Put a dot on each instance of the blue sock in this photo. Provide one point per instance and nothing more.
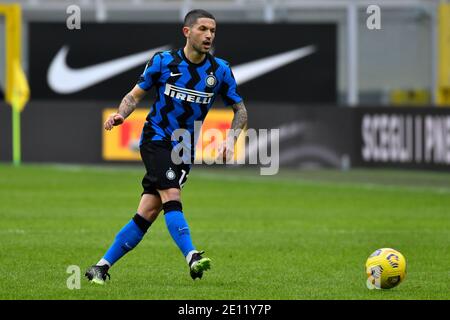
(178, 227)
(127, 238)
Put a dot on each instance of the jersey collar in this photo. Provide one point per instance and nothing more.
(181, 52)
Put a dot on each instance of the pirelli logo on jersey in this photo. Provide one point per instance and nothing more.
(188, 94)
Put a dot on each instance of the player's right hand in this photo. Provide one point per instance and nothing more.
(114, 119)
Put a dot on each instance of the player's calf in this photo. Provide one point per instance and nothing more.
(126, 240)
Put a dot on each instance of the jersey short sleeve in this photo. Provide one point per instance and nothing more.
(151, 73)
(228, 89)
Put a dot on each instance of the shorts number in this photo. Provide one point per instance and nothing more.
(183, 174)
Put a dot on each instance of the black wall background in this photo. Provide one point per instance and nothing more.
(321, 136)
(72, 132)
(5, 132)
(312, 79)
(310, 136)
(55, 132)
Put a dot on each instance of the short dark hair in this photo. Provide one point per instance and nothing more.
(191, 17)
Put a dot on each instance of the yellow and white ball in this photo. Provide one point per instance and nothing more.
(385, 268)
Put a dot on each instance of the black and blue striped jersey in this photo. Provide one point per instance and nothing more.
(184, 92)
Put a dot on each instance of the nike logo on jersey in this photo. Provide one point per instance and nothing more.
(65, 80)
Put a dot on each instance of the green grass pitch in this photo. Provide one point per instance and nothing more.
(296, 235)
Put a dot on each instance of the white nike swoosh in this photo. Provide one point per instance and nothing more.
(175, 74)
(251, 70)
(65, 80)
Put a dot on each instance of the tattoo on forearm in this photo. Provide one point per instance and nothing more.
(127, 105)
(240, 117)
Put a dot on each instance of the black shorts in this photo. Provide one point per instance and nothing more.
(162, 173)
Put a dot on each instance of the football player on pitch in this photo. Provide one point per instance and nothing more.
(187, 81)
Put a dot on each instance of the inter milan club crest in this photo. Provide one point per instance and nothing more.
(211, 81)
(170, 174)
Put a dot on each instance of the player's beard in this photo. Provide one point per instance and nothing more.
(199, 48)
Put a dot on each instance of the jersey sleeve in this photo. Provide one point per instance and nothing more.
(151, 73)
(228, 90)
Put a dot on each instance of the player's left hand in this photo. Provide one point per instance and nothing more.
(225, 152)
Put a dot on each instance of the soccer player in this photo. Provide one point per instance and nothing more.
(187, 81)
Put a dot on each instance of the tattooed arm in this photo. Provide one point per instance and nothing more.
(239, 119)
(238, 123)
(127, 106)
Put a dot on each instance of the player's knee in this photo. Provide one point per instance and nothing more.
(149, 207)
(153, 211)
(150, 214)
(172, 194)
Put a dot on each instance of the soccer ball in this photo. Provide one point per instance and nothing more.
(385, 269)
